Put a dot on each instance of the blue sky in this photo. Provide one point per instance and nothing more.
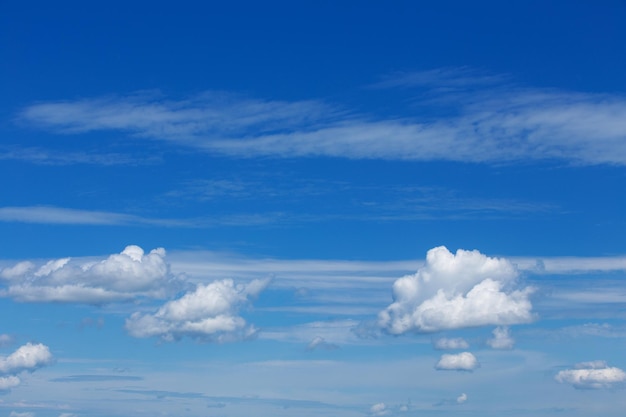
(312, 208)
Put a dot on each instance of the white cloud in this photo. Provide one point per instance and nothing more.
(208, 313)
(501, 338)
(379, 409)
(450, 344)
(122, 276)
(488, 125)
(26, 358)
(461, 398)
(591, 375)
(24, 414)
(464, 361)
(453, 291)
(8, 382)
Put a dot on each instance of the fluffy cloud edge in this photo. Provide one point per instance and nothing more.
(209, 313)
(464, 361)
(592, 375)
(453, 291)
(124, 276)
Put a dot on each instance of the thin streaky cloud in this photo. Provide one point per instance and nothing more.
(61, 215)
(70, 216)
(449, 77)
(491, 126)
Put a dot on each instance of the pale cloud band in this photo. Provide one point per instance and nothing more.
(491, 125)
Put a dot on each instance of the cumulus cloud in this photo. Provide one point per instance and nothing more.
(122, 276)
(450, 344)
(591, 375)
(209, 313)
(464, 361)
(379, 409)
(28, 357)
(501, 339)
(454, 291)
(461, 398)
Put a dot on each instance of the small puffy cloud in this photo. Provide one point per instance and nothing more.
(591, 375)
(450, 344)
(453, 291)
(26, 358)
(208, 313)
(379, 409)
(464, 361)
(501, 339)
(461, 398)
(122, 276)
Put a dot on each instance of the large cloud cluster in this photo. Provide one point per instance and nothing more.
(122, 276)
(209, 313)
(28, 357)
(454, 291)
(592, 375)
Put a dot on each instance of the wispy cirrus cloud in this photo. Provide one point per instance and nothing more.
(61, 215)
(497, 123)
(42, 156)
